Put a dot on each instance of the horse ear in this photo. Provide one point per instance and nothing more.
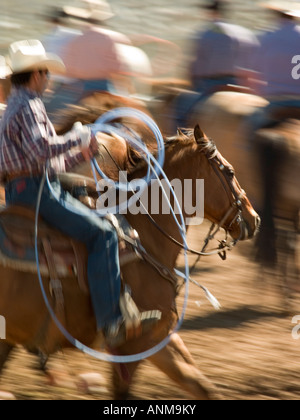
(198, 134)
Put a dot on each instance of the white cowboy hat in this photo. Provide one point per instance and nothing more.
(95, 11)
(294, 13)
(30, 55)
(4, 69)
(291, 8)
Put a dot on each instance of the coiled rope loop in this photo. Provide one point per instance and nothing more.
(155, 171)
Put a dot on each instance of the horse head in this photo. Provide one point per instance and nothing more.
(226, 203)
(192, 156)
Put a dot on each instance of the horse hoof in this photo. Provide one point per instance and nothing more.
(91, 383)
(6, 396)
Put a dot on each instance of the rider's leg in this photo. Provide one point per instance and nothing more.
(98, 235)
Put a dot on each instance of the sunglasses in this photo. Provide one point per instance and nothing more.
(45, 72)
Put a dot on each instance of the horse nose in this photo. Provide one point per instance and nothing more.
(250, 230)
(257, 224)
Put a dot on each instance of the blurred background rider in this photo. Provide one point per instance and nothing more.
(96, 57)
(273, 64)
(220, 55)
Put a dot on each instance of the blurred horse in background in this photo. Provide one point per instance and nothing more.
(268, 168)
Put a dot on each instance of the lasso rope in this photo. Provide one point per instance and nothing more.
(103, 125)
(155, 166)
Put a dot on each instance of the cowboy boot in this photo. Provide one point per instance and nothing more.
(132, 324)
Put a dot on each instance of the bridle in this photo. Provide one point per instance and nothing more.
(225, 174)
(236, 208)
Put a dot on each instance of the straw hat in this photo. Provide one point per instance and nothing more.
(4, 69)
(30, 55)
(215, 5)
(94, 11)
(294, 13)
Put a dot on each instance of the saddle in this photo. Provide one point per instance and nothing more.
(59, 255)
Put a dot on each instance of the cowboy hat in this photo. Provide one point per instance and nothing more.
(294, 13)
(291, 8)
(29, 55)
(215, 5)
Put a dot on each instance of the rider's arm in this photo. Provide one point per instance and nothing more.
(38, 137)
(75, 157)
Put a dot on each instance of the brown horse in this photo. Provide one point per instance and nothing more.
(268, 168)
(187, 157)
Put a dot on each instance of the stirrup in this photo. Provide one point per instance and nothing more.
(130, 312)
(131, 324)
(116, 334)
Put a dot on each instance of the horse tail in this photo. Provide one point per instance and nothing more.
(271, 150)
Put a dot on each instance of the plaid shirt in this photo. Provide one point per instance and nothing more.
(28, 139)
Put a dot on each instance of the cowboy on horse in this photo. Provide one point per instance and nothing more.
(27, 142)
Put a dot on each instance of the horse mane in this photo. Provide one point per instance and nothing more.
(187, 136)
(179, 145)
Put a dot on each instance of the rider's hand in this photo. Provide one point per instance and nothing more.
(86, 153)
(89, 152)
(94, 145)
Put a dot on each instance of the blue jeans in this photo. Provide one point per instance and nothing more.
(96, 233)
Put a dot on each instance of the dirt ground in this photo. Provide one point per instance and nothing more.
(246, 349)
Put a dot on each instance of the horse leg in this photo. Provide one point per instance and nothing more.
(177, 363)
(122, 379)
(5, 350)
